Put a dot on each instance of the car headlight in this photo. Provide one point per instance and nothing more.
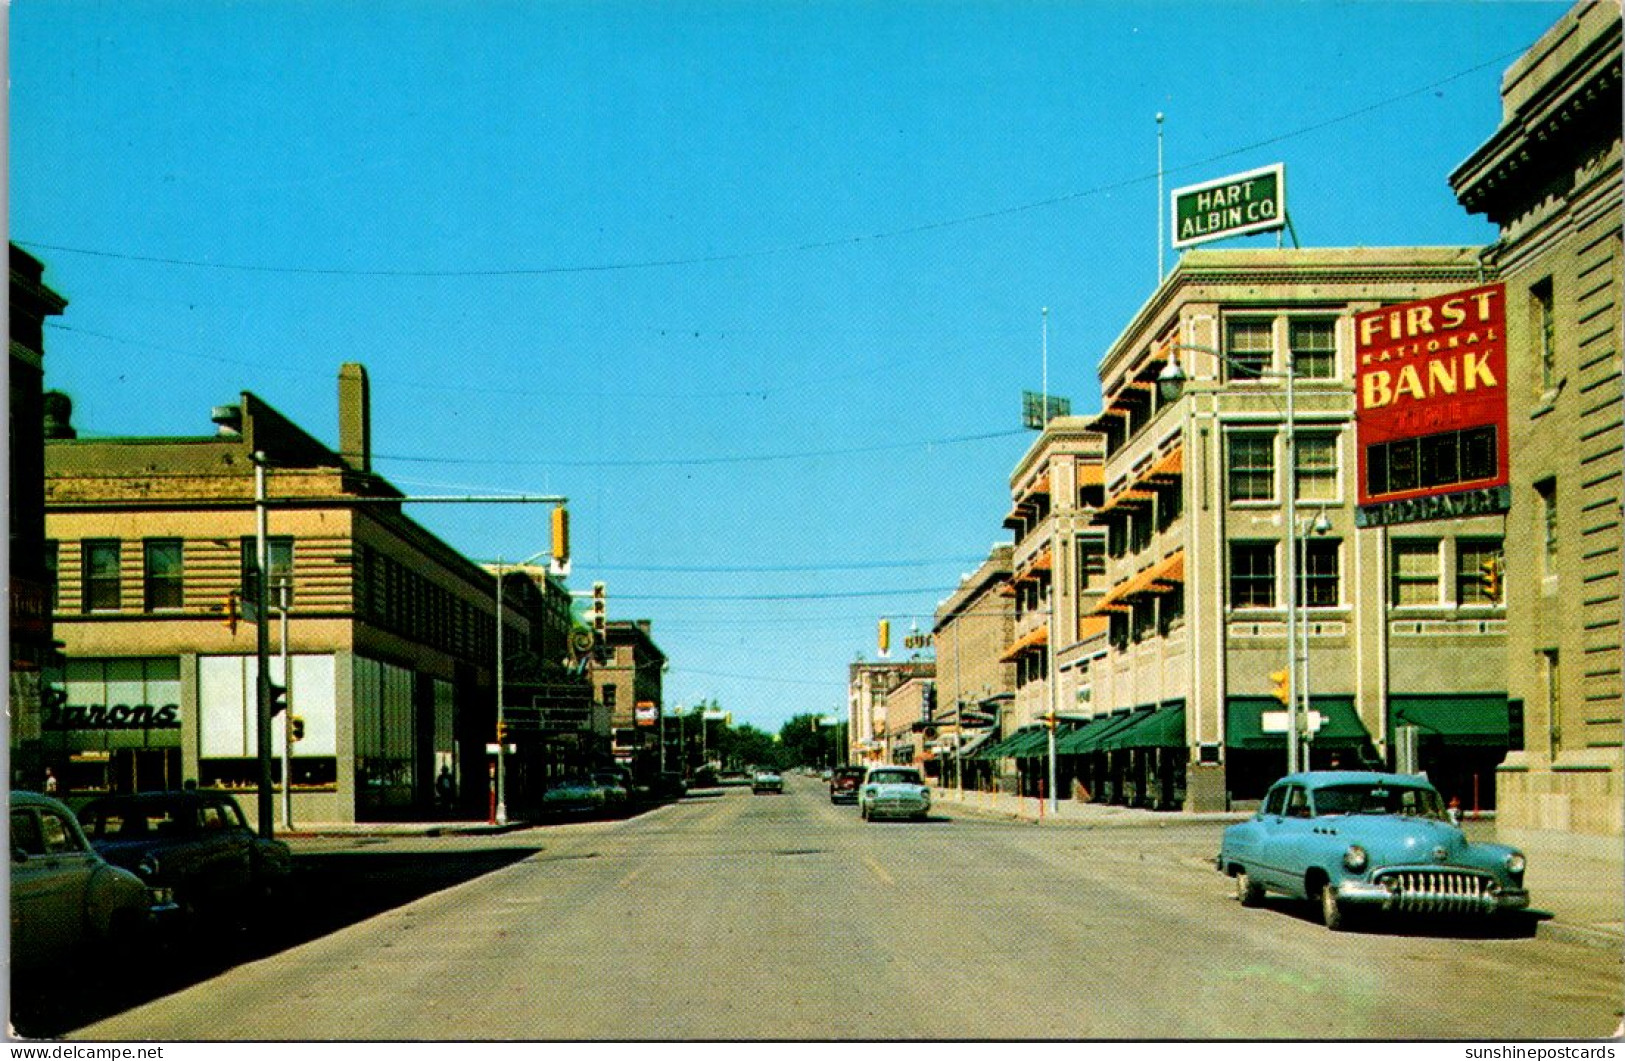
(1516, 862)
(1355, 859)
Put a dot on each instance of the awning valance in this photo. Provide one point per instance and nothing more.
(1162, 728)
(1244, 723)
(1038, 637)
(1088, 740)
(1476, 719)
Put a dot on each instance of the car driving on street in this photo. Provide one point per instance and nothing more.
(766, 781)
(843, 784)
(1358, 841)
(893, 792)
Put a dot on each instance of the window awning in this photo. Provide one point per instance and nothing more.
(1171, 466)
(1069, 744)
(1475, 719)
(1088, 739)
(1039, 561)
(1132, 497)
(1162, 728)
(1033, 745)
(1000, 749)
(1244, 726)
(1035, 638)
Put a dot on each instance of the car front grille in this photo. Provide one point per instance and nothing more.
(1438, 891)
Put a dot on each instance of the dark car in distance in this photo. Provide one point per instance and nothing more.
(844, 782)
(195, 843)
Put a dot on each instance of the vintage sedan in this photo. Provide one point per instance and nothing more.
(893, 792)
(196, 843)
(67, 902)
(766, 781)
(574, 796)
(1358, 841)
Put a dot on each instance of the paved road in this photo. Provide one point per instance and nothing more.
(736, 916)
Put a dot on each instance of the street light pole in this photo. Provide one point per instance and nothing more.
(501, 814)
(1169, 381)
(265, 804)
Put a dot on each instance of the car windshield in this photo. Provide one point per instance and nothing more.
(1378, 798)
(894, 777)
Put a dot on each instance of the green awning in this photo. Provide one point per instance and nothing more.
(1083, 735)
(1001, 749)
(1163, 728)
(1113, 724)
(1244, 725)
(1468, 719)
(1033, 745)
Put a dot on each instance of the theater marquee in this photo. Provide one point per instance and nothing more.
(1431, 410)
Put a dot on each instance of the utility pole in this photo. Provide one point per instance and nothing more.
(262, 647)
(284, 590)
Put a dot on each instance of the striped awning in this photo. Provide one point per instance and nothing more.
(1038, 637)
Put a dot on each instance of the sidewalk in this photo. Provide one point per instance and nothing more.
(1576, 884)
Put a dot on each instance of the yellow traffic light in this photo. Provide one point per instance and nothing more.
(296, 727)
(1049, 719)
(1280, 686)
(885, 636)
(561, 536)
(1489, 578)
(234, 611)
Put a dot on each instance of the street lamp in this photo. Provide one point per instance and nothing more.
(1170, 382)
(501, 812)
(1318, 524)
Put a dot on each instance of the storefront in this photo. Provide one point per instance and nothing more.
(113, 725)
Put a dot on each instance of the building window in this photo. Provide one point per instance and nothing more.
(1171, 610)
(1170, 504)
(161, 574)
(1546, 532)
(1252, 574)
(1476, 559)
(1251, 467)
(279, 552)
(1143, 617)
(1414, 572)
(101, 575)
(609, 697)
(52, 566)
(1543, 327)
(1552, 677)
(1313, 347)
(1091, 563)
(1318, 581)
(1316, 458)
(1249, 348)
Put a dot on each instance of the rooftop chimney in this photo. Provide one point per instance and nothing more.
(355, 417)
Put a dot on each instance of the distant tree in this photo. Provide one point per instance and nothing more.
(807, 740)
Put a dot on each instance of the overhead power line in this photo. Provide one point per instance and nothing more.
(767, 252)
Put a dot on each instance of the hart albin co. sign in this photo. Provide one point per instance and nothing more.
(1237, 205)
(1431, 408)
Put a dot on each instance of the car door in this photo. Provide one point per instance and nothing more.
(49, 884)
(1266, 861)
(224, 846)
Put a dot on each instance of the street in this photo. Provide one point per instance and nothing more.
(737, 916)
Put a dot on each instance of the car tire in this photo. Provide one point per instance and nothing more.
(1331, 911)
(1248, 891)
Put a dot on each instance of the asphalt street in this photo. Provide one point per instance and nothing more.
(733, 916)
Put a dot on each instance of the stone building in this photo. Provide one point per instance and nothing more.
(973, 628)
(1550, 178)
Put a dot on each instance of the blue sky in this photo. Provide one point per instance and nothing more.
(757, 285)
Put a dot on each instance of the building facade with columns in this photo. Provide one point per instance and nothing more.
(1550, 177)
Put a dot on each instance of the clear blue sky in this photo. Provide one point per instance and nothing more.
(757, 285)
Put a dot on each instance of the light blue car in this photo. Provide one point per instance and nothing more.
(893, 792)
(1354, 840)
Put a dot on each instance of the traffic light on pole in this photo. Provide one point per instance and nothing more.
(296, 727)
(234, 611)
(1280, 686)
(884, 637)
(561, 536)
(279, 698)
(1049, 719)
(1489, 578)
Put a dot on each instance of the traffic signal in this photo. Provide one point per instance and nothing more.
(279, 698)
(1048, 718)
(885, 637)
(234, 611)
(502, 732)
(1280, 686)
(296, 727)
(561, 536)
(1489, 578)
(600, 618)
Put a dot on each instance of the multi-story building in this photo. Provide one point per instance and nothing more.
(973, 628)
(868, 684)
(1550, 178)
(1058, 564)
(628, 677)
(390, 632)
(1397, 626)
(911, 733)
(32, 649)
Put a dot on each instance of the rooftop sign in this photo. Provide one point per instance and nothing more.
(1237, 205)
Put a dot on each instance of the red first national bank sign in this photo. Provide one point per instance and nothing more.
(1431, 411)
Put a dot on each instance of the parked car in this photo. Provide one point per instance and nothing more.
(1353, 840)
(196, 843)
(668, 784)
(616, 787)
(574, 796)
(843, 784)
(67, 901)
(893, 792)
(766, 781)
